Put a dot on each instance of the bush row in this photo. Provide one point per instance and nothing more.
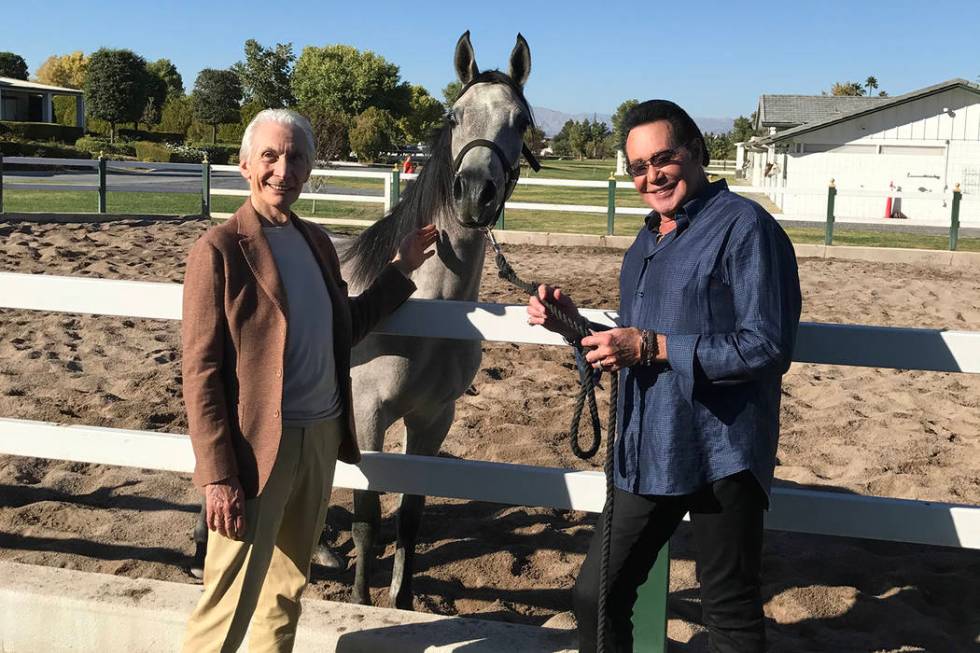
(43, 149)
(39, 131)
(153, 137)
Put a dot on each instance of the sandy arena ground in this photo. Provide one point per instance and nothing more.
(876, 432)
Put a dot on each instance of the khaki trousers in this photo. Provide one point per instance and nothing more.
(261, 577)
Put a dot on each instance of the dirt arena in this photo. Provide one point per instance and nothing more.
(876, 432)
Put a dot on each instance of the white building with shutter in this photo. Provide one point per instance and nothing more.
(914, 148)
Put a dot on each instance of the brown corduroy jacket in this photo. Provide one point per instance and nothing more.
(234, 339)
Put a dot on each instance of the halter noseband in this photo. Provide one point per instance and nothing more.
(511, 171)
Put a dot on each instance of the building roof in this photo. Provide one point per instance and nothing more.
(21, 85)
(885, 103)
(796, 110)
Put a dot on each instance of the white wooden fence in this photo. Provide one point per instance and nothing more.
(809, 511)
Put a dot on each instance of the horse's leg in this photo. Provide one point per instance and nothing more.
(200, 543)
(424, 434)
(367, 511)
(367, 523)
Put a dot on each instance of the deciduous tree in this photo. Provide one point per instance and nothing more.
(217, 98)
(115, 87)
(12, 65)
(266, 73)
(619, 136)
(67, 70)
(345, 79)
(165, 70)
(847, 88)
(451, 92)
(424, 116)
(373, 133)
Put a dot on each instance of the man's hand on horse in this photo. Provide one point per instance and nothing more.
(225, 502)
(537, 314)
(614, 349)
(412, 250)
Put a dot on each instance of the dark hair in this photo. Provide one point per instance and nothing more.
(682, 128)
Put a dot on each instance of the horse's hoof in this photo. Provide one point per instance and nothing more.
(197, 571)
(326, 557)
(357, 599)
(406, 602)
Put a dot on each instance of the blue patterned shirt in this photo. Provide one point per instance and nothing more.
(724, 288)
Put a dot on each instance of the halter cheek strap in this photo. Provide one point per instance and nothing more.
(513, 172)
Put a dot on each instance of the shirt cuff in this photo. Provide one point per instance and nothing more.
(681, 351)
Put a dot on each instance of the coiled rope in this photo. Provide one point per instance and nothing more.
(581, 328)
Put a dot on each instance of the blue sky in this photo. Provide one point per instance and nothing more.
(715, 59)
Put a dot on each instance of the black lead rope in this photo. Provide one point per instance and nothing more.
(581, 328)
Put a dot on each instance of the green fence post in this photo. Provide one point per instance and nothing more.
(650, 609)
(500, 220)
(1, 182)
(102, 188)
(954, 219)
(611, 206)
(206, 187)
(831, 194)
(395, 186)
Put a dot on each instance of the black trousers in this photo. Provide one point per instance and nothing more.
(727, 521)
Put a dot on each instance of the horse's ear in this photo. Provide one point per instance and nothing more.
(520, 61)
(465, 60)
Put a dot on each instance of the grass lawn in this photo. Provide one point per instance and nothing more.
(29, 201)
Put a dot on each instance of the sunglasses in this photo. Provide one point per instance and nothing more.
(658, 160)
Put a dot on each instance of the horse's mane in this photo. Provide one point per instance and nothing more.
(430, 196)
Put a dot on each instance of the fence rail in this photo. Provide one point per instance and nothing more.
(393, 178)
(809, 511)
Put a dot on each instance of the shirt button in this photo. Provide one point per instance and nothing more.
(639, 293)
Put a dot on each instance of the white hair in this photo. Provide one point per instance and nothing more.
(283, 117)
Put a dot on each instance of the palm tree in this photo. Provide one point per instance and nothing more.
(871, 83)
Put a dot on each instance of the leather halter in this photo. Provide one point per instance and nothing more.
(511, 171)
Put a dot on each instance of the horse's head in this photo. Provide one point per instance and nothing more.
(488, 121)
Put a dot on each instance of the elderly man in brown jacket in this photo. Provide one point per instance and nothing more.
(267, 332)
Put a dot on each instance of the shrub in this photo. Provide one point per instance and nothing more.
(49, 149)
(95, 145)
(220, 153)
(39, 131)
(153, 137)
(147, 151)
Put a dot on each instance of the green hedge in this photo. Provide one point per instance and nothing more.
(220, 153)
(47, 149)
(153, 137)
(95, 145)
(147, 151)
(39, 131)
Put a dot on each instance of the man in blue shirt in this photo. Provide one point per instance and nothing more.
(709, 307)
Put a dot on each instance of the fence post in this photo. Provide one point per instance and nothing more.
(395, 186)
(611, 206)
(206, 187)
(500, 219)
(650, 609)
(1, 182)
(102, 190)
(831, 194)
(954, 221)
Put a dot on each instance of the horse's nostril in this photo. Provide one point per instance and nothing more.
(458, 189)
(488, 194)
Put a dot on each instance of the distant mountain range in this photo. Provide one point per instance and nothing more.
(551, 121)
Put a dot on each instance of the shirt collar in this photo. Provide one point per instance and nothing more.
(689, 211)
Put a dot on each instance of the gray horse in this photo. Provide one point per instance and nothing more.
(473, 168)
(472, 171)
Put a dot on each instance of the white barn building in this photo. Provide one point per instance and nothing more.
(914, 147)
